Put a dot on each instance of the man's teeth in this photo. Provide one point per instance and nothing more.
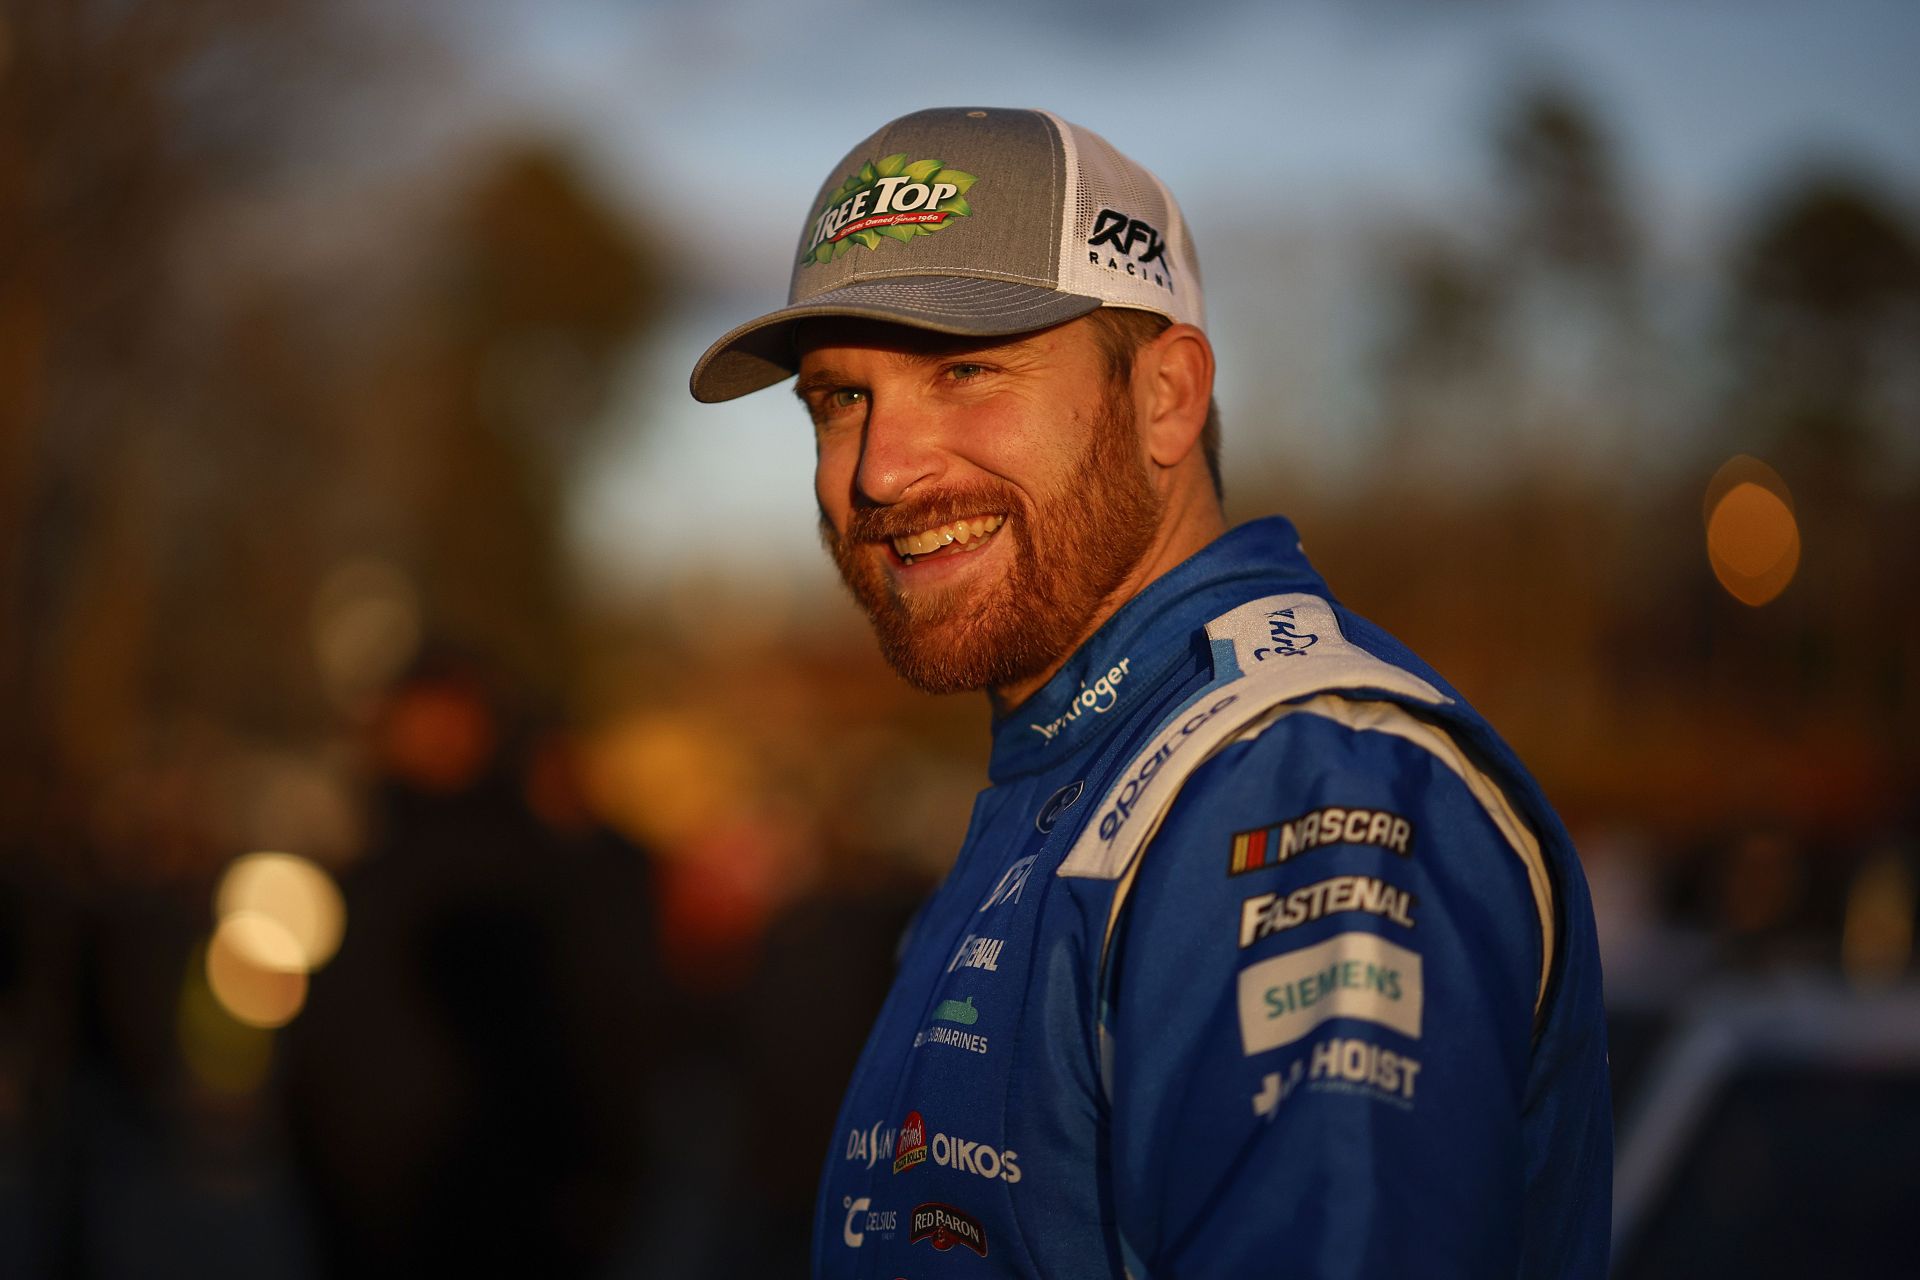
(961, 531)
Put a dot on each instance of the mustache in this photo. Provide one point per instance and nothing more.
(880, 523)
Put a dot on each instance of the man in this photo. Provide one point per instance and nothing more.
(1263, 955)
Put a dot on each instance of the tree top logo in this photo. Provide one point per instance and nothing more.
(894, 199)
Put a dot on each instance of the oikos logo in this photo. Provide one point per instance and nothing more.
(978, 1158)
(975, 1157)
(862, 1217)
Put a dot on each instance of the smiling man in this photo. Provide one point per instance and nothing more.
(1262, 954)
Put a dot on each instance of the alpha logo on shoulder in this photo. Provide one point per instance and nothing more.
(1335, 824)
(1286, 638)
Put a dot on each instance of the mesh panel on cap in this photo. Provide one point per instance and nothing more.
(1101, 179)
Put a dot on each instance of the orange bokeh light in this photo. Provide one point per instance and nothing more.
(1753, 538)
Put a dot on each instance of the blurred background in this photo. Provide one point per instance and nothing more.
(449, 815)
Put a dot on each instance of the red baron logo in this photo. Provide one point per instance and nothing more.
(947, 1226)
(912, 1147)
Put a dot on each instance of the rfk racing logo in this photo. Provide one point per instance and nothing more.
(890, 199)
(1288, 640)
(1132, 245)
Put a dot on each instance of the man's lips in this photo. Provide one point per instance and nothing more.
(953, 538)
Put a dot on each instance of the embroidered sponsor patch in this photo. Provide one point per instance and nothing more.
(947, 1226)
(890, 199)
(1350, 975)
(912, 1147)
(1272, 845)
(1266, 914)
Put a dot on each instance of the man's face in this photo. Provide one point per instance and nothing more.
(984, 499)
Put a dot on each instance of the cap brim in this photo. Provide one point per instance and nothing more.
(763, 352)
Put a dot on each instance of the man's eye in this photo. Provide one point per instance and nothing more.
(845, 397)
(962, 372)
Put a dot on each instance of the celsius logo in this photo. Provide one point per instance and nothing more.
(861, 1215)
(912, 1149)
(870, 1146)
(1288, 641)
(890, 199)
(1141, 249)
(1058, 803)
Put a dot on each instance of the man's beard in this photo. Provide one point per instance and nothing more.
(1072, 550)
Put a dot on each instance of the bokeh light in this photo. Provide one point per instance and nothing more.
(226, 1055)
(1753, 537)
(253, 968)
(280, 911)
(1876, 943)
(366, 627)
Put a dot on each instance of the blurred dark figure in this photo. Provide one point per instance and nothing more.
(469, 1086)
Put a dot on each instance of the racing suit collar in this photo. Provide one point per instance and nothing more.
(1159, 628)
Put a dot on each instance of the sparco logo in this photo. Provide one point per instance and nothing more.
(893, 199)
(947, 1226)
(1129, 795)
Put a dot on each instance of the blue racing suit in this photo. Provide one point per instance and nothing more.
(1262, 956)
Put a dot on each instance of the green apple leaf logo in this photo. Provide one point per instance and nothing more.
(890, 199)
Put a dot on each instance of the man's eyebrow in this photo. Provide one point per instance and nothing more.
(819, 380)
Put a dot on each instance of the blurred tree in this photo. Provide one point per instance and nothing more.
(1525, 338)
(1823, 321)
(243, 343)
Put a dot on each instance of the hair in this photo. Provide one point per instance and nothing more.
(1122, 331)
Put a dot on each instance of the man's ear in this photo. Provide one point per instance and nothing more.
(1172, 387)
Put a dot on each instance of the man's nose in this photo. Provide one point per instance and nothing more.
(899, 450)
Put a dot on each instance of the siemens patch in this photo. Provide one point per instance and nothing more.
(1350, 975)
(1271, 846)
(1266, 914)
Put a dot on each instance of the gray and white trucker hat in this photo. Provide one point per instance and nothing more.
(976, 221)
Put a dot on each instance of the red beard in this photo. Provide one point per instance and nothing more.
(1072, 549)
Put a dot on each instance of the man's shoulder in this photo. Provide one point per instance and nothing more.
(1273, 657)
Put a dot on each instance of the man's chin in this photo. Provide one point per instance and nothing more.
(937, 659)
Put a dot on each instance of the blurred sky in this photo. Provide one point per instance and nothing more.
(1289, 131)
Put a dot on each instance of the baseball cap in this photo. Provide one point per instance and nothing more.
(980, 221)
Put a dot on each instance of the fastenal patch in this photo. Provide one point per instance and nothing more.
(947, 1226)
(892, 199)
(1266, 914)
(1350, 975)
(1271, 846)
